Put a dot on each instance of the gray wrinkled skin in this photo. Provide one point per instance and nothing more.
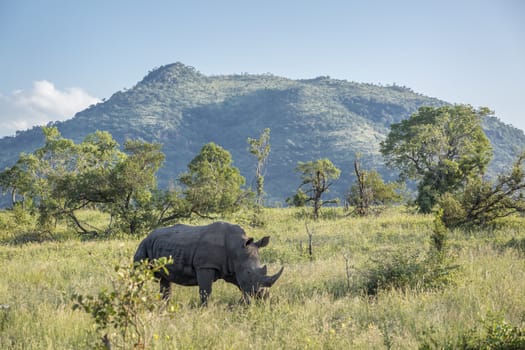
(204, 254)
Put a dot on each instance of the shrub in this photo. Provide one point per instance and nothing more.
(420, 270)
(451, 211)
(496, 334)
(121, 314)
(398, 270)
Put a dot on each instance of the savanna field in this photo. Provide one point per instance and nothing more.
(370, 283)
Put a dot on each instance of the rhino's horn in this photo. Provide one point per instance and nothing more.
(270, 280)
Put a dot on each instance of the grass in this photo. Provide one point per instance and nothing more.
(318, 303)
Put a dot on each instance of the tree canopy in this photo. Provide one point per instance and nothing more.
(484, 201)
(63, 177)
(440, 148)
(317, 177)
(212, 183)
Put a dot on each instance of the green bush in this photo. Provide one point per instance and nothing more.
(400, 269)
(452, 212)
(121, 314)
(495, 334)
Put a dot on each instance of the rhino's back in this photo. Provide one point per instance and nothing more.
(195, 246)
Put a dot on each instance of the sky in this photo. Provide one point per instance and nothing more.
(57, 57)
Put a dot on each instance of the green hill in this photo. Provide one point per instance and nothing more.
(309, 119)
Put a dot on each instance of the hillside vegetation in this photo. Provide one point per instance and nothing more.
(182, 109)
(320, 302)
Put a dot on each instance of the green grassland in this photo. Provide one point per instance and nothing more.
(318, 303)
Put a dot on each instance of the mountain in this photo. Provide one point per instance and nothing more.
(309, 119)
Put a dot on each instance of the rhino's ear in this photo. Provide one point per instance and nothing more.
(248, 242)
(263, 242)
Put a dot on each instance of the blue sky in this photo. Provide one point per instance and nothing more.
(59, 56)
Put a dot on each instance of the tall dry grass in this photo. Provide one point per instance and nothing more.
(318, 303)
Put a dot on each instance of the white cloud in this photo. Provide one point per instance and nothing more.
(44, 103)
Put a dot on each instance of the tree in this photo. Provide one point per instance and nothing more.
(47, 169)
(16, 180)
(88, 183)
(317, 176)
(441, 148)
(212, 183)
(483, 201)
(260, 148)
(370, 190)
(298, 200)
(62, 177)
(133, 182)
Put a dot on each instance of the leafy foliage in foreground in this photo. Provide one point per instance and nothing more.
(500, 335)
(121, 314)
(492, 334)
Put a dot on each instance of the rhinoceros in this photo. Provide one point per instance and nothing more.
(203, 254)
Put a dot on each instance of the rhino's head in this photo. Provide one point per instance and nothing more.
(252, 278)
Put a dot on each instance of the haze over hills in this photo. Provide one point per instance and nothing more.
(309, 119)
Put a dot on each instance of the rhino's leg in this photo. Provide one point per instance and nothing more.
(205, 279)
(165, 288)
(245, 298)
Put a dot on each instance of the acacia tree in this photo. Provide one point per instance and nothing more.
(441, 148)
(87, 182)
(212, 183)
(316, 177)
